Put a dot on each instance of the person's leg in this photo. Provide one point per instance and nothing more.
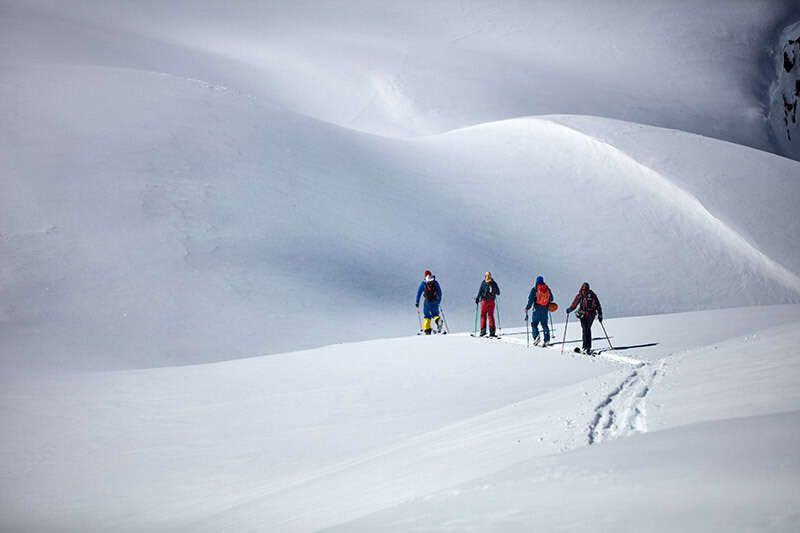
(426, 312)
(483, 317)
(535, 325)
(545, 327)
(586, 326)
(490, 312)
(436, 315)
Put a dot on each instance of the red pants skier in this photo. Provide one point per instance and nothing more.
(487, 294)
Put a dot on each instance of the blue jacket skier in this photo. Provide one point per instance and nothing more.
(540, 299)
(432, 291)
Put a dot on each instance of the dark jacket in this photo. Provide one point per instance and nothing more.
(488, 291)
(587, 303)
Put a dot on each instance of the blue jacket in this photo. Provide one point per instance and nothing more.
(421, 289)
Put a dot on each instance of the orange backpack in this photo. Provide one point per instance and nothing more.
(542, 295)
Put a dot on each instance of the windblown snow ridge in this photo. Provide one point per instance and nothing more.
(654, 183)
(231, 205)
(689, 204)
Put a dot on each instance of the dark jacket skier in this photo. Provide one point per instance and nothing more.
(432, 291)
(487, 294)
(589, 307)
(540, 298)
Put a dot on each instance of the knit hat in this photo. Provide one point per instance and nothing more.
(539, 279)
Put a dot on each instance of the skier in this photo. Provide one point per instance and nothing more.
(588, 307)
(487, 294)
(433, 297)
(540, 298)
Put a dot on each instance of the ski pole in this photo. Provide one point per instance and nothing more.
(552, 327)
(419, 319)
(565, 334)
(606, 333)
(527, 332)
(444, 319)
(497, 305)
(476, 319)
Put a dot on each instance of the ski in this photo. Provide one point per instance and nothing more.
(496, 337)
(592, 353)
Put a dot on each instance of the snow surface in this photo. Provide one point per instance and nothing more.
(425, 433)
(201, 201)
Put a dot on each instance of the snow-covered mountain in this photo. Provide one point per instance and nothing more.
(200, 201)
(164, 205)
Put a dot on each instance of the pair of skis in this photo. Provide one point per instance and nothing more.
(578, 350)
(494, 337)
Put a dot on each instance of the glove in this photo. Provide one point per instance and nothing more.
(569, 310)
(600, 318)
(417, 305)
(477, 301)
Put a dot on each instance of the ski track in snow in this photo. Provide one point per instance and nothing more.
(623, 412)
(607, 355)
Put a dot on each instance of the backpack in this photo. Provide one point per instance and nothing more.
(430, 292)
(588, 306)
(542, 295)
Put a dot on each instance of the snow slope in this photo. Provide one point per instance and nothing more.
(422, 67)
(720, 453)
(187, 185)
(428, 433)
(226, 228)
(173, 191)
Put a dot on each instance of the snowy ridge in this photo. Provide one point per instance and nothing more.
(221, 222)
(690, 205)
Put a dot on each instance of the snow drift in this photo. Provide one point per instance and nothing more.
(161, 220)
(171, 194)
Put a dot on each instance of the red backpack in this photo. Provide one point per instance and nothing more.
(542, 295)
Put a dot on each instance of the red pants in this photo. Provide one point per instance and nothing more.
(487, 308)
